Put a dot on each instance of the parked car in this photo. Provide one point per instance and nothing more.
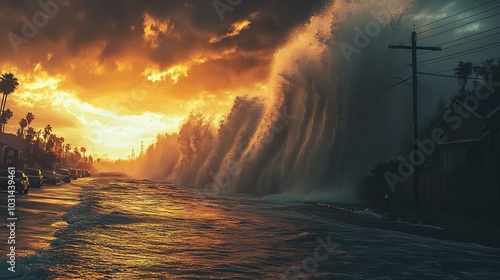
(21, 181)
(73, 174)
(63, 175)
(86, 173)
(49, 176)
(35, 177)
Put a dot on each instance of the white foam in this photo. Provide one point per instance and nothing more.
(369, 213)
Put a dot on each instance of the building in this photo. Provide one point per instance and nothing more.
(12, 150)
(465, 127)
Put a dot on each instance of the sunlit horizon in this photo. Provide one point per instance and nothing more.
(108, 132)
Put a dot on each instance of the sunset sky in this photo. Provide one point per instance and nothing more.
(109, 74)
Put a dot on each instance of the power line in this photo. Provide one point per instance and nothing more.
(462, 52)
(481, 38)
(468, 42)
(460, 55)
(447, 30)
(442, 71)
(402, 81)
(401, 68)
(448, 76)
(445, 18)
(460, 19)
(469, 36)
(463, 38)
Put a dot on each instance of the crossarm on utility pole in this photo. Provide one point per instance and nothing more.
(416, 48)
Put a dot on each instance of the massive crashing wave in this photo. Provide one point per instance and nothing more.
(324, 122)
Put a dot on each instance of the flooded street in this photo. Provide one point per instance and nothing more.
(108, 228)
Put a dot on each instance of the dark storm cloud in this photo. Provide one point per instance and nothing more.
(471, 17)
(117, 28)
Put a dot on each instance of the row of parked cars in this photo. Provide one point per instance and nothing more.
(36, 178)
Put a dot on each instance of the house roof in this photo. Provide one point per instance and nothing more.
(480, 121)
(492, 119)
(12, 141)
(496, 110)
(440, 123)
(469, 128)
(490, 104)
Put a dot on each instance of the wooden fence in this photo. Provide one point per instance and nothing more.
(473, 192)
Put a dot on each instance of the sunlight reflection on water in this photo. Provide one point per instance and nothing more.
(125, 230)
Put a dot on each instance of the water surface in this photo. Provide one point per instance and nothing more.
(108, 228)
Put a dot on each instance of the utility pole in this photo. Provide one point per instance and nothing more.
(142, 149)
(414, 49)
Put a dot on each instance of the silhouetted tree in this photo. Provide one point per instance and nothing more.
(23, 123)
(30, 134)
(67, 148)
(6, 115)
(8, 84)
(29, 118)
(485, 68)
(463, 71)
(59, 146)
(83, 150)
(51, 143)
(76, 156)
(47, 131)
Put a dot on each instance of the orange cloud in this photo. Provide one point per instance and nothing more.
(153, 28)
(174, 72)
(234, 31)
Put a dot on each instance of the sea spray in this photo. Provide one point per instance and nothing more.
(342, 123)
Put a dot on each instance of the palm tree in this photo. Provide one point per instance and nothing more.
(29, 118)
(30, 134)
(67, 148)
(23, 123)
(77, 155)
(6, 115)
(83, 150)
(8, 84)
(52, 143)
(47, 131)
(62, 147)
(463, 71)
(59, 146)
